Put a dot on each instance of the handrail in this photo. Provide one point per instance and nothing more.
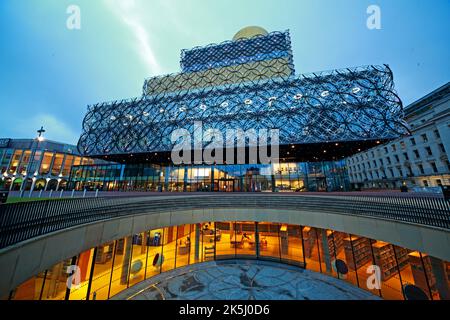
(27, 220)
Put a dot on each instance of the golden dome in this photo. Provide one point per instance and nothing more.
(250, 32)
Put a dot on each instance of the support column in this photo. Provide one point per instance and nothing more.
(185, 178)
(326, 251)
(73, 263)
(126, 260)
(12, 184)
(257, 248)
(306, 181)
(33, 183)
(197, 241)
(212, 177)
(284, 238)
(166, 179)
(24, 183)
(144, 242)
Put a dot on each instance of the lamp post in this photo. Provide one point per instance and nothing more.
(38, 139)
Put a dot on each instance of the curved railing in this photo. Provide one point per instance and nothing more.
(23, 221)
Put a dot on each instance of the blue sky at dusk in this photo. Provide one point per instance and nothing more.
(49, 74)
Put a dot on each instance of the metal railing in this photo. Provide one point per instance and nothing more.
(23, 221)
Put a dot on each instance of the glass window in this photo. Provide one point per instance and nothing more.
(341, 257)
(386, 262)
(416, 272)
(291, 244)
(434, 167)
(436, 133)
(56, 281)
(311, 248)
(102, 271)
(15, 162)
(184, 233)
(77, 161)
(35, 163)
(138, 259)
(122, 259)
(269, 239)
(57, 164)
(154, 252)
(30, 289)
(245, 239)
(224, 234)
(207, 241)
(169, 248)
(5, 160)
(46, 162)
(421, 169)
(359, 257)
(424, 137)
(24, 163)
(84, 262)
(67, 165)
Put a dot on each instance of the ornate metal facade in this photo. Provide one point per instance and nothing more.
(260, 48)
(247, 84)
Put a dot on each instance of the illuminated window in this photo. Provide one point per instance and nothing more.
(57, 164)
(46, 162)
(15, 161)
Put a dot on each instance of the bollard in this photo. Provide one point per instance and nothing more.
(96, 193)
(21, 193)
(61, 193)
(50, 194)
(73, 192)
(84, 193)
(40, 193)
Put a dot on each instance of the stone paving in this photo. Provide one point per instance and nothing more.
(243, 280)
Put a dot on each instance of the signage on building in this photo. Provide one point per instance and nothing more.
(4, 143)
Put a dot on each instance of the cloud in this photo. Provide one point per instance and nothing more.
(55, 129)
(128, 12)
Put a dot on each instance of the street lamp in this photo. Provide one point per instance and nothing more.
(39, 139)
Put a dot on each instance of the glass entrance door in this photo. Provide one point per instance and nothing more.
(227, 185)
